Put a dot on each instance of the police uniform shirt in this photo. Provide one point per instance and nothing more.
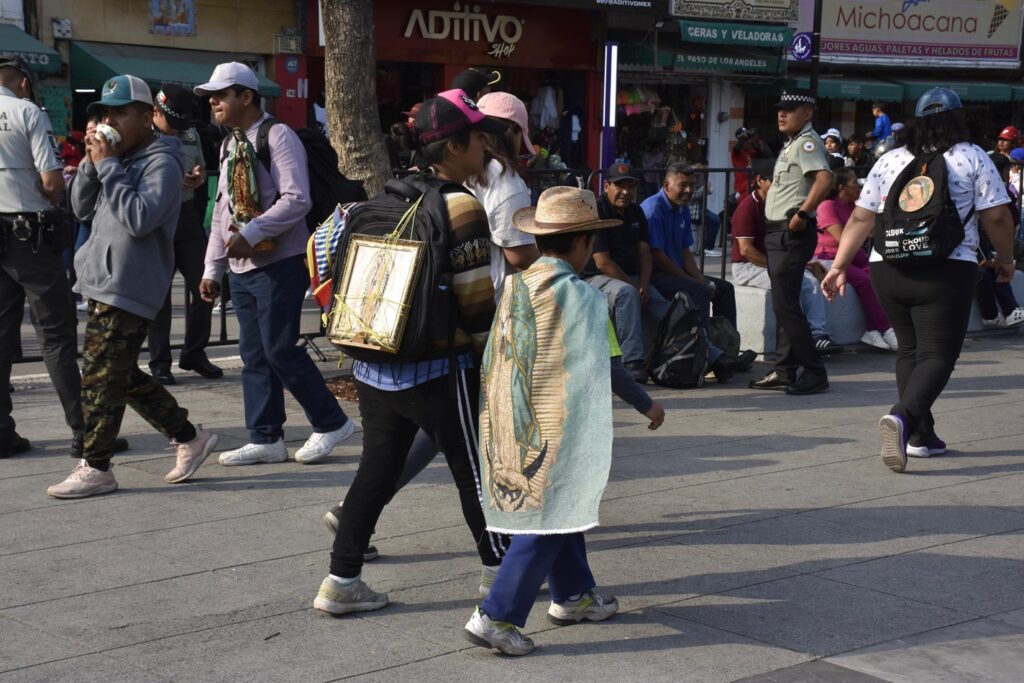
(972, 180)
(27, 148)
(792, 179)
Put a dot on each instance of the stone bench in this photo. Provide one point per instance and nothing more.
(845, 319)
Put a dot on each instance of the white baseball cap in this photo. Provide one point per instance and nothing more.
(227, 75)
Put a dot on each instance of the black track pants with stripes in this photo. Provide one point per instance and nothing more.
(390, 422)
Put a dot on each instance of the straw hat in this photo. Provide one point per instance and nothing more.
(560, 210)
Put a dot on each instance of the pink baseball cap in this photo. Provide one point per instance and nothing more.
(451, 112)
(503, 105)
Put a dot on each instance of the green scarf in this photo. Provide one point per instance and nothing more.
(546, 418)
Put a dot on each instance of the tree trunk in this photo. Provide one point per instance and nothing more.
(350, 70)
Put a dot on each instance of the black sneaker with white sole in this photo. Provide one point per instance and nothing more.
(331, 518)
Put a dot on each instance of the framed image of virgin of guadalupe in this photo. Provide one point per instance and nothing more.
(371, 305)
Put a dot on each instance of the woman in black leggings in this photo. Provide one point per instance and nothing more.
(928, 306)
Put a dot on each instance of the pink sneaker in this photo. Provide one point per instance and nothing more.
(191, 455)
(84, 481)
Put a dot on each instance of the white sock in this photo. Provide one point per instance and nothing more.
(343, 581)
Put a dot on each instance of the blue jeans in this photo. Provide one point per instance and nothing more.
(712, 224)
(268, 303)
(561, 558)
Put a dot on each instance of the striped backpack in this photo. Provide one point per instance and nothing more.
(322, 254)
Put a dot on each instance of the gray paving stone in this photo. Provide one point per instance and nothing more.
(278, 648)
(982, 576)
(815, 616)
(981, 650)
(24, 644)
(812, 672)
(155, 610)
(88, 668)
(45, 575)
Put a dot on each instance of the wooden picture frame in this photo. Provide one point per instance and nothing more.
(371, 306)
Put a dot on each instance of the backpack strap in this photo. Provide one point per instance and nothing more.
(262, 141)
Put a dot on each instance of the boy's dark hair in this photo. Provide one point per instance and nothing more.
(878, 105)
(939, 132)
(561, 244)
(241, 89)
(433, 153)
(856, 137)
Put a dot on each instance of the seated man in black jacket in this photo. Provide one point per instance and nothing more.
(621, 267)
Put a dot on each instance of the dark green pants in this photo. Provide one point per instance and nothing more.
(111, 380)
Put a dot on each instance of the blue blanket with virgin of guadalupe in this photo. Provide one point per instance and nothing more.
(546, 415)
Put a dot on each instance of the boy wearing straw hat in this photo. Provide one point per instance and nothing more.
(546, 425)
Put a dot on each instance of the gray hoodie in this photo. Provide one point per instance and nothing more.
(133, 202)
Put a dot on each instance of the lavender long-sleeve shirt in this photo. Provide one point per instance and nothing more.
(284, 198)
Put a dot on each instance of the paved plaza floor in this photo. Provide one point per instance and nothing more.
(756, 536)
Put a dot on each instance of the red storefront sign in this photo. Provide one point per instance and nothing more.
(481, 33)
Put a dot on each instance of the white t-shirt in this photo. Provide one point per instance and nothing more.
(973, 181)
(504, 194)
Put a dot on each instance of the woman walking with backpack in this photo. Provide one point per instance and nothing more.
(437, 389)
(926, 292)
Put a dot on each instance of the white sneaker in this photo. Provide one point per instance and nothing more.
(712, 253)
(1015, 318)
(504, 637)
(591, 606)
(253, 453)
(319, 445)
(220, 306)
(994, 323)
(874, 338)
(82, 305)
(890, 338)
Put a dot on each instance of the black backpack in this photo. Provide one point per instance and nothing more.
(681, 356)
(433, 308)
(920, 225)
(328, 187)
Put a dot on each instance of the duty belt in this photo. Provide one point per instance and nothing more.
(25, 227)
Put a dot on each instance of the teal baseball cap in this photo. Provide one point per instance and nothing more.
(121, 90)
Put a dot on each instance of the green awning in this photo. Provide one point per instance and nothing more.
(860, 88)
(41, 58)
(729, 33)
(93, 63)
(1017, 93)
(968, 92)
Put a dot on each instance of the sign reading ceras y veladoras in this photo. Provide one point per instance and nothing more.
(465, 22)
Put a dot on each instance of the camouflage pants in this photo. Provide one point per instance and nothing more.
(111, 380)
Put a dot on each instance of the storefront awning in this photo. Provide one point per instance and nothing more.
(835, 88)
(93, 63)
(728, 33)
(1017, 93)
(968, 92)
(41, 58)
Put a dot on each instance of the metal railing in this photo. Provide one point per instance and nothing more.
(584, 178)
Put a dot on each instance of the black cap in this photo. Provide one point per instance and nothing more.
(450, 113)
(617, 172)
(743, 133)
(472, 81)
(177, 104)
(12, 60)
(764, 168)
(794, 97)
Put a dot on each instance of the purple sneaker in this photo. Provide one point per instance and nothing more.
(894, 442)
(930, 447)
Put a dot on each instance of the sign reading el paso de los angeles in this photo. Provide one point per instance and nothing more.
(977, 32)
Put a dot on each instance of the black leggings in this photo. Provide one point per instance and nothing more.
(929, 309)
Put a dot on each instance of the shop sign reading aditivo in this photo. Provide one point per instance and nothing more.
(467, 23)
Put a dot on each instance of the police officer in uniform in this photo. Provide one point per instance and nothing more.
(30, 244)
(172, 109)
(802, 180)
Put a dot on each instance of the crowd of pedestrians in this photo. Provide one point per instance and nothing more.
(540, 311)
